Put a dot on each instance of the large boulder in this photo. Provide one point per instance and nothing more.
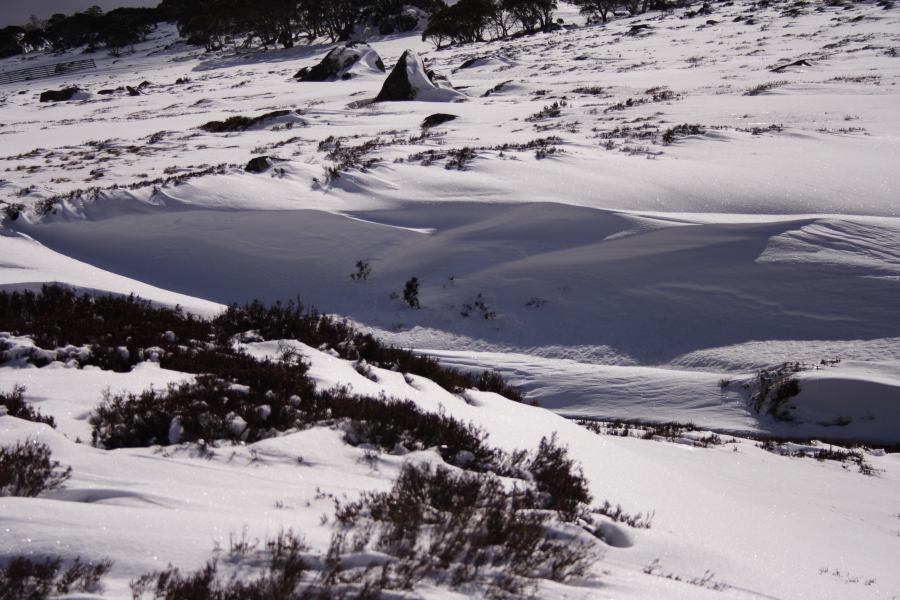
(410, 80)
(343, 62)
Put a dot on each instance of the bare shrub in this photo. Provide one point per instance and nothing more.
(15, 405)
(455, 528)
(27, 470)
(683, 130)
(774, 388)
(24, 578)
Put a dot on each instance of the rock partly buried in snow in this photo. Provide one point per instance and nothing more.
(287, 118)
(436, 119)
(259, 164)
(63, 95)
(343, 62)
(410, 80)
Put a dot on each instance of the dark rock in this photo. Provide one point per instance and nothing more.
(470, 63)
(59, 95)
(410, 80)
(796, 63)
(437, 119)
(397, 87)
(338, 63)
(258, 164)
(240, 123)
(639, 28)
(132, 91)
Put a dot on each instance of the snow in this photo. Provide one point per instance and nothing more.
(175, 504)
(629, 278)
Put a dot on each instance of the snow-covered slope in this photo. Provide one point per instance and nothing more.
(579, 206)
(630, 224)
(723, 512)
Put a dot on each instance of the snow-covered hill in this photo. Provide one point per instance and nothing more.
(633, 224)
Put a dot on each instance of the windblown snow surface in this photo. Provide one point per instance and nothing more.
(627, 223)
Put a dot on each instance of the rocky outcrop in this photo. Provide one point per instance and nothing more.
(437, 119)
(343, 62)
(62, 95)
(410, 80)
(258, 164)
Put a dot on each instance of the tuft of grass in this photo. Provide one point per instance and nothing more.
(765, 87)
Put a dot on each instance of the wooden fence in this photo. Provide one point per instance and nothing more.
(47, 71)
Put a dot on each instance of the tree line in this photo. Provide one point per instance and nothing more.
(215, 23)
(479, 20)
(92, 28)
(211, 23)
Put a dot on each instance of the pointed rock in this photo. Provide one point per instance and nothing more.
(410, 80)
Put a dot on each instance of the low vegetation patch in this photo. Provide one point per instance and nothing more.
(846, 456)
(212, 409)
(551, 111)
(674, 432)
(459, 158)
(707, 580)
(679, 131)
(122, 331)
(651, 95)
(594, 90)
